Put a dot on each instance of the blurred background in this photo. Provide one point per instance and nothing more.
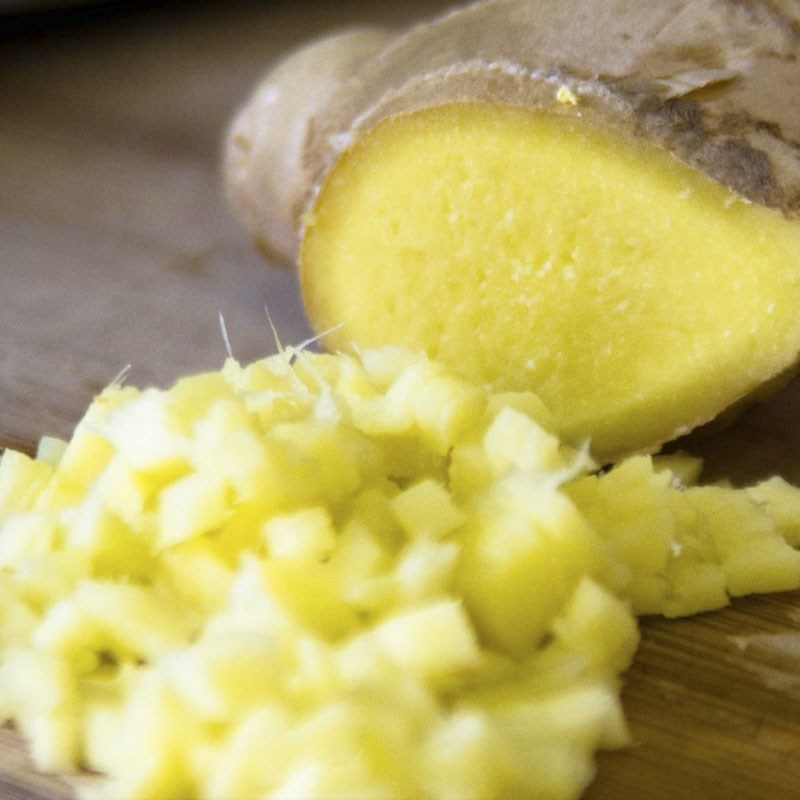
(116, 246)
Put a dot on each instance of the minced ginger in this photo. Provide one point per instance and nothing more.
(347, 577)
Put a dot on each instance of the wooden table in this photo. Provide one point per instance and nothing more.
(116, 248)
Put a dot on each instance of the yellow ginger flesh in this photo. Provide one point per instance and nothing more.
(333, 576)
(540, 252)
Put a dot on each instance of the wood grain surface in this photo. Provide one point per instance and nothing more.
(116, 248)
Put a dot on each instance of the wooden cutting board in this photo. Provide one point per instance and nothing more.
(115, 248)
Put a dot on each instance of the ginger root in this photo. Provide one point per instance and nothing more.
(592, 199)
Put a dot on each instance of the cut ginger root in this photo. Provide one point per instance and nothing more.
(595, 200)
(348, 576)
(633, 294)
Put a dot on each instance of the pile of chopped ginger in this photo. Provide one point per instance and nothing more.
(347, 577)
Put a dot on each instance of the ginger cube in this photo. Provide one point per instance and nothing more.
(307, 535)
(426, 510)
